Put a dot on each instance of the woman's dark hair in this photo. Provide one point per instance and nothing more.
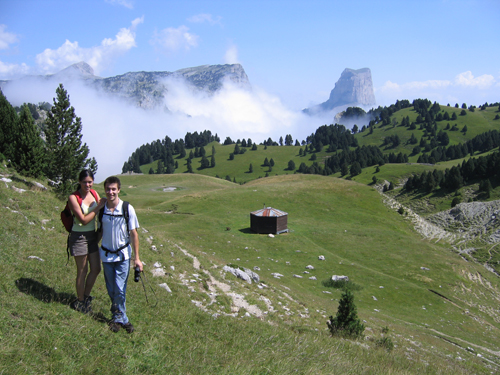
(85, 173)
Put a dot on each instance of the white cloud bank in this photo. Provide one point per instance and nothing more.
(113, 128)
(13, 70)
(98, 57)
(6, 38)
(464, 87)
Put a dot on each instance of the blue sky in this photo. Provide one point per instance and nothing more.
(292, 51)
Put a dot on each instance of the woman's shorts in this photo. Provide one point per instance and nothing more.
(83, 243)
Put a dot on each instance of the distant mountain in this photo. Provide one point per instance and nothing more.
(354, 88)
(148, 89)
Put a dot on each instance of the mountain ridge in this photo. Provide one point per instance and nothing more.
(148, 89)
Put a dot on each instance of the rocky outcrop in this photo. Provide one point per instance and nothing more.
(354, 88)
(473, 220)
(148, 89)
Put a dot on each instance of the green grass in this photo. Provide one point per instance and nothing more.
(477, 122)
(343, 220)
(239, 167)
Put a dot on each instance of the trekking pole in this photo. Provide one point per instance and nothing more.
(137, 276)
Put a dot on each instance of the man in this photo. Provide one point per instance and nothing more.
(119, 238)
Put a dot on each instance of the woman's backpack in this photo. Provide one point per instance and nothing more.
(66, 214)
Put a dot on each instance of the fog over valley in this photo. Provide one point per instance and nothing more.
(113, 127)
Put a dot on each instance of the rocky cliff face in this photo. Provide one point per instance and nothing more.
(148, 89)
(354, 88)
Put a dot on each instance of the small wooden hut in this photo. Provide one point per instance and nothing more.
(269, 220)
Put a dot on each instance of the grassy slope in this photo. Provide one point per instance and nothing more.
(342, 220)
(239, 167)
(477, 122)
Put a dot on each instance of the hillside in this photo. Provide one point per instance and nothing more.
(477, 122)
(441, 311)
(401, 124)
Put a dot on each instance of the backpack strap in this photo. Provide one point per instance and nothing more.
(107, 251)
(126, 215)
(79, 197)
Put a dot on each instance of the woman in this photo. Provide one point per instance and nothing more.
(83, 241)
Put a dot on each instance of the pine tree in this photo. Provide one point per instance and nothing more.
(160, 168)
(29, 156)
(204, 162)
(8, 125)
(212, 161)
(66, 156)
(346, 322)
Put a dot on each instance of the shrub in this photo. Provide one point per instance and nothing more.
(346, 323)
(385, 342)
(341, 284)
(455, 201)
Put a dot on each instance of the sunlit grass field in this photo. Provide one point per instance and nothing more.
(433, 315)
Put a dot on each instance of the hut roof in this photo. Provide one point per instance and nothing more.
(269, 211)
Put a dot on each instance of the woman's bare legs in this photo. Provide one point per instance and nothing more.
(84, 279)
(82, 268)
(95, 269)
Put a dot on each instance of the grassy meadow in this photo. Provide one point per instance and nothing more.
(441, 311)
(478, 122)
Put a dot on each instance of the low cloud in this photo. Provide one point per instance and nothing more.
(231, 55)
(113, 128)
(466, 79)
(173, 40)
(475, 90)
(6, 38)
(232, 111)
(98, 57)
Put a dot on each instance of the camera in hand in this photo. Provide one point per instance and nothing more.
(137, 274)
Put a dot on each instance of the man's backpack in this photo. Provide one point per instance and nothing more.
(67, 217)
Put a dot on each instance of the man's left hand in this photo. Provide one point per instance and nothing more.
(138, 263)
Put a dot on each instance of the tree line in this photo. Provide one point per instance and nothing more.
(481, 143)
(164, 151)
(484, 169)
(56, 152)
